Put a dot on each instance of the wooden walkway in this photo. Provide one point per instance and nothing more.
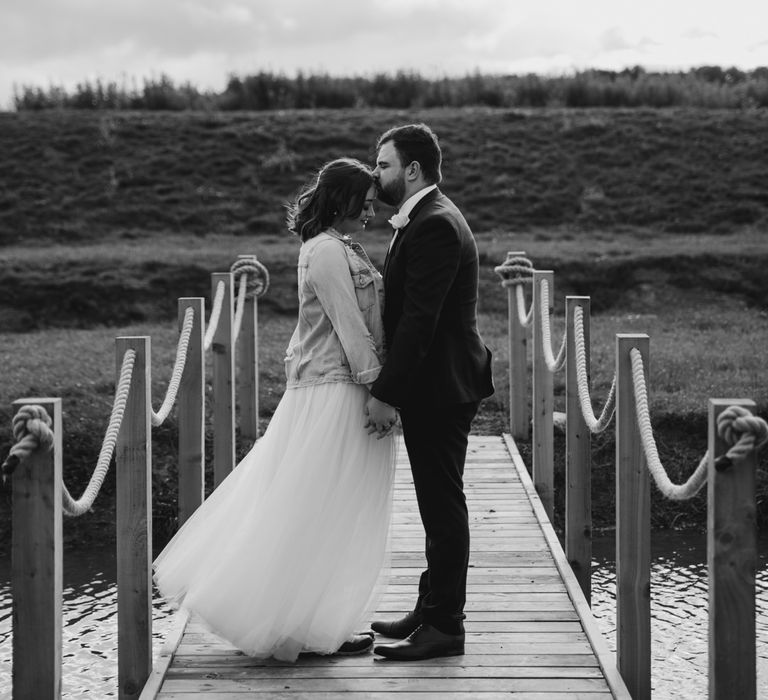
(529, 630)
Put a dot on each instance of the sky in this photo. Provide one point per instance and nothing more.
(46, 43)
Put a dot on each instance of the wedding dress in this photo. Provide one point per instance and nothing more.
(286, 554)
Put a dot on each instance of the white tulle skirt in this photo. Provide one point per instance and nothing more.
(286, 554)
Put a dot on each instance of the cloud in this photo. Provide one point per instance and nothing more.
(63, 42)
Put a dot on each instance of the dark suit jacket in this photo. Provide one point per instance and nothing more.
(434, 350)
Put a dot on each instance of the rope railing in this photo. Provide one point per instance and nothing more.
(736, 426)
(256, 272)
(213, 322)
(734, 437)
(524, 317)
(253, 283)
(32, 430)
(517, 271)
(595, 424)
(178, 369)
(554, 364)
(41, 497)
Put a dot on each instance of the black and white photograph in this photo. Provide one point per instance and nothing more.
(383, 349)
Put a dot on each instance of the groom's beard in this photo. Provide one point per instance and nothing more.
(393, 193)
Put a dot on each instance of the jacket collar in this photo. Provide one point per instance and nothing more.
(416, 207)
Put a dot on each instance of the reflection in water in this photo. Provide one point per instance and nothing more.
(89, 641)
(679, 612)
(678, 626)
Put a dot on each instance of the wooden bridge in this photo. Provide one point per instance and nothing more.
(529, 629)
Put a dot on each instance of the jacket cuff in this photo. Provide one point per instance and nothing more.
(367, 376)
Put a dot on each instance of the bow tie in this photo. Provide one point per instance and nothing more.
(399, 221)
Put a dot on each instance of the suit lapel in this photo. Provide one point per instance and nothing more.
(412, 217)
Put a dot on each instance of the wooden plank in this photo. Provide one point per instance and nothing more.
(731, 562)
(191, 413)
(195, 628)
(524, 635)
(473, 647)
(604, 656)
(402, 695)
(480, 637)
(376, 671)
(543, 398)
(275, 687)
(517, 351)
(578, 455)
(633, 528)
(223, 382)
(472, 661)
(167, 652)
(133, 468)
(37, 563)
(247, 358)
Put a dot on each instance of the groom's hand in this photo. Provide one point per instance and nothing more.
(381, 417)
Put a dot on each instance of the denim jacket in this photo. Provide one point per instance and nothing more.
(339, 336)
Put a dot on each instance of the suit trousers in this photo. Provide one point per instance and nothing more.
(436, 438)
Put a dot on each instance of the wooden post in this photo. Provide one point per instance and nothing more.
(731, 559)
(133, 459)
(578, 457)
(37, 566)
(223, 383)
(248, 367)
(519, 415)
(633, 529)
(543, 402)
(191, 414)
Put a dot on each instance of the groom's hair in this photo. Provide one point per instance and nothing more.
(416, 142)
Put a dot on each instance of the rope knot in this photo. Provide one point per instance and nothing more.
(741, 430)
(515, 270)
(31, 429)
(257, 275)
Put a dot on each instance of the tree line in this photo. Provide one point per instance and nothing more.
(705, 86)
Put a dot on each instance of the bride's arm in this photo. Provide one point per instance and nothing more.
(329, 275)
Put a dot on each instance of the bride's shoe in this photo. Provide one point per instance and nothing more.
(356, 644)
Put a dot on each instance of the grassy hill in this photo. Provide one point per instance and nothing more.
(83, 176)
(79, 185)
(659, 215)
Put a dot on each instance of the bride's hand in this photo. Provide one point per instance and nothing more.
(381, 417)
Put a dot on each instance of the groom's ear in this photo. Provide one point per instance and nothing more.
(413, 170)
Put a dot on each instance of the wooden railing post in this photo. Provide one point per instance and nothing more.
(37, 566)
(731, 559)
(191, 414)
(543, 401)
(519, 414)
(248, 367)
(633, 528)
(133, 459)
(223, 383)
(578, 457)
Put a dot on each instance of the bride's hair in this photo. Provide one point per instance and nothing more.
(338, 191)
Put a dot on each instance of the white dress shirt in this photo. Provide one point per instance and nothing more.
(408, 206)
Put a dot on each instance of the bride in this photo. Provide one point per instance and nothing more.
(285, 555)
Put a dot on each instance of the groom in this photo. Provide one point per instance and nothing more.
(436, 372)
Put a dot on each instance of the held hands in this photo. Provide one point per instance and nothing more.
(381, 417)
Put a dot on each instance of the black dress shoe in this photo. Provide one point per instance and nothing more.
(357, 644)
(425, 643)
(398, 629)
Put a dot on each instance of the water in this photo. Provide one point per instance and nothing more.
(679, 613)
(678, 626)
(89, 641)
